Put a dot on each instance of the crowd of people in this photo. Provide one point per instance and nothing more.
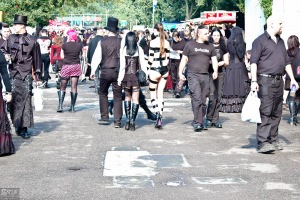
(210, 63)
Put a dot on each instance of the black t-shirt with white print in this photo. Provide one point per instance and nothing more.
(199, 55)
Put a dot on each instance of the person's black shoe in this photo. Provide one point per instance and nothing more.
(117, 125)
(216, 125)
(208, 123)
(83, 80)
(277, 145)
(24, 133)
(103, 120)
(177, 95)
(18, 131)
(267, 148)
(197, 128)
(203, 127)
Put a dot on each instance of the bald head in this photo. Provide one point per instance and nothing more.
(274, 25)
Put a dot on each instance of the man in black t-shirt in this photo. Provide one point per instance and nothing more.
(198, 53)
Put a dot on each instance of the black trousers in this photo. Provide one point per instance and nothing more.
(174, 74)
(271, 96)
(108, 77)
(199, 90)
(45, 63)
(215, 94)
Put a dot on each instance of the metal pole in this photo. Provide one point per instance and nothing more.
(106, 17)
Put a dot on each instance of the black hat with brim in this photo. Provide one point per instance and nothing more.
(112, 24)
(20, 19)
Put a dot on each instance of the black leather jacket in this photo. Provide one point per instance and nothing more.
(25, 54)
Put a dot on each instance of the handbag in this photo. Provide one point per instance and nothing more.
(141, 75)
(38, 99)
(250, 111)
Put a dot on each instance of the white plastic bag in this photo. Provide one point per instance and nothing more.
(250, 111)
(38, 97)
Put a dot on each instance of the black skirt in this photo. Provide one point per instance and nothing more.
(130, 80)
(21, 105)
(6, 144)
(235, 88)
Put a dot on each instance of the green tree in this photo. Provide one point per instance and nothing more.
(38, 11)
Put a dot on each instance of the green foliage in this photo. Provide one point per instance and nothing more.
(266, 6)
(38, 11)
(241, 5)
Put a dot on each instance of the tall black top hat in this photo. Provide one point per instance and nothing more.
(112, 24)
(20, 19)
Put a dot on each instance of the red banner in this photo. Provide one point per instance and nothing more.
(225, 14)
(211, 15)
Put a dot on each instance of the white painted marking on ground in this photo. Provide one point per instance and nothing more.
(132, 182)
(263, 167)
(218, 180)
(121, 163)
(242, 151)
(279, 186)
(168, 141)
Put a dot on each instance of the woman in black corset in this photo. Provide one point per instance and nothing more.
(131, 59)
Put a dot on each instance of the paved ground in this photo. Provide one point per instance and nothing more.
(73, 156)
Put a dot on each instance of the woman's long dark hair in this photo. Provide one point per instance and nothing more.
(293, 44)
(131, 43)
(236, 44)
(222, 41)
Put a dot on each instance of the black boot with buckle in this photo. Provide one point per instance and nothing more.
(127, 107)
(135, 109)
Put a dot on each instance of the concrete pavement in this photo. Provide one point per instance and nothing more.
(73, 156)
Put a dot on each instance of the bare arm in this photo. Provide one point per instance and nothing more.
(182, 65)
(215, 65)
(254, 84)
(226, 59)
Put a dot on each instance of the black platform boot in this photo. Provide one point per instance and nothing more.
(61, 97)
(135, 110)
(127, 107)
(292, 107)
(158, 121)
(73, 101)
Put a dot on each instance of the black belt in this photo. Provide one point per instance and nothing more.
(278, 77)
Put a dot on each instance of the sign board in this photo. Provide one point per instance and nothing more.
(123, 23)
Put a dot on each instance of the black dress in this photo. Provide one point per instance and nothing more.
(235, 86)
(6, 144)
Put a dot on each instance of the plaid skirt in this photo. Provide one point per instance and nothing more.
(71, 70)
